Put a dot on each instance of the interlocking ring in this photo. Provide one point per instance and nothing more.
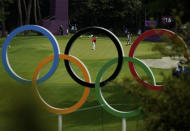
(112, 37)
(55, 59)
(137, 42)
(100, 97)
(45, 104)
(87, 83)
(45, 32)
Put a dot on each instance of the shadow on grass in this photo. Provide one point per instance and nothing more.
(20, 111)
(92, 114)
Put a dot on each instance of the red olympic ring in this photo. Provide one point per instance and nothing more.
(137, 42)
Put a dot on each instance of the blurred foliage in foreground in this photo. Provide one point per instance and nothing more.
(19, 110)
(166, 109)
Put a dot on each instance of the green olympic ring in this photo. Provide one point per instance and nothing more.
(98, 91)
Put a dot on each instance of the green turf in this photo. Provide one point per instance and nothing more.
(25, 53)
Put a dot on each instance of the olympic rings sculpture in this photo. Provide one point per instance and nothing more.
(87, 82)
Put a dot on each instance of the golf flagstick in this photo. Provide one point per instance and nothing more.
(124, 124)
(59, 122)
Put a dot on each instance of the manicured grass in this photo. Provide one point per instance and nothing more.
(25, 53)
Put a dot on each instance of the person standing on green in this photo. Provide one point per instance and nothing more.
(128, 38)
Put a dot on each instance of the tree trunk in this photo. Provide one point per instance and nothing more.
(20, 13)
(39, 10)
(28, 12)
(3, 20)
(4, 34)
(25, 9)
(27, 21)
(35, 13)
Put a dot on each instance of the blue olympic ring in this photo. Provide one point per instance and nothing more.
(45, 32)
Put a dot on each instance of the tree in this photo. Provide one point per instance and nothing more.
(20, 12)
(25, 9)
(3, 14)
(164, 110)
(151, 7)
(39, 10)
(35, 12)
(106, 13)
(27, 21)
(168, 109)
(3, 18)
(10, 20)
(115, 14)
(28, 11)
(173, 46)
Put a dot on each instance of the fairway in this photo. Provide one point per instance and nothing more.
(25, 53)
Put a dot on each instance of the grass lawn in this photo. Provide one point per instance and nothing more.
(19, 109)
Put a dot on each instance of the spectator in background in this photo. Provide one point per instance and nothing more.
(182, 69)
(139, 32)
(128, 38)
(126, 30)
(61, 29)
(72, 28)
(75, 28)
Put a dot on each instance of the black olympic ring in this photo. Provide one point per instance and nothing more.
(112, 37)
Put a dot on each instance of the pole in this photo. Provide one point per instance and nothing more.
(59, 122)
(124, 124)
